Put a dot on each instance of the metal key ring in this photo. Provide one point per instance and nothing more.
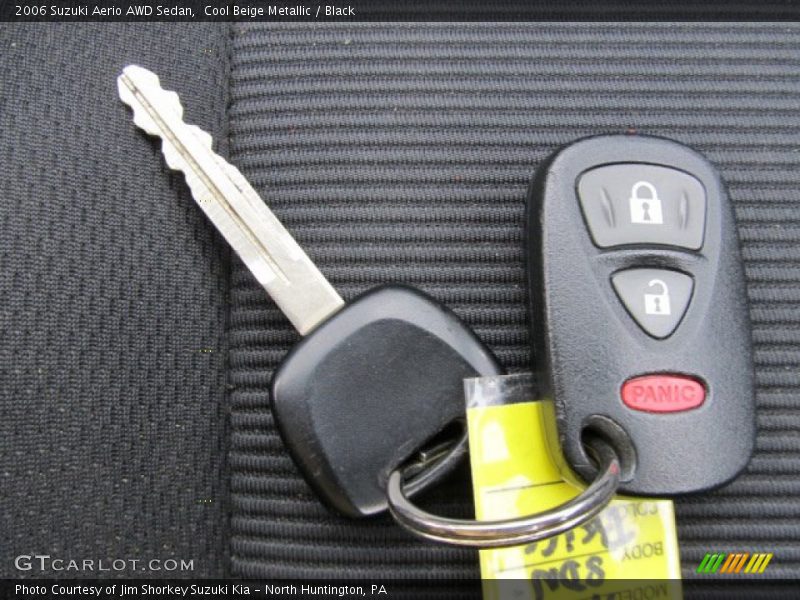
(508, 532)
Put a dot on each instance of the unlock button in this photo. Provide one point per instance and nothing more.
(657, 299)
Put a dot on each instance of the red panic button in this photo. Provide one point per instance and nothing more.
(663, 393)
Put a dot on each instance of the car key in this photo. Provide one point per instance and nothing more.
(639, 311)
(373, 381)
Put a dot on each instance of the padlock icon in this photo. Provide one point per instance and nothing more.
(645, 204)
(657, 304)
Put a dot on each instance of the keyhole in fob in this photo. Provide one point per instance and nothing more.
(658, 304)
(646, 211)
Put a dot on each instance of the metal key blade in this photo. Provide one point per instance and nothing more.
(255, 233)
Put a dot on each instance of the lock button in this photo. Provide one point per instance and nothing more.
(645, 206)
(631, 203)
(657, 299)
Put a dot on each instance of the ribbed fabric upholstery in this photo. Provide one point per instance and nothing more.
(402, 152)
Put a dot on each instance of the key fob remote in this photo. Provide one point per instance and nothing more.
(639, 312)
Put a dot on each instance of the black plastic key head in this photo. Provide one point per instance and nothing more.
(369, 387)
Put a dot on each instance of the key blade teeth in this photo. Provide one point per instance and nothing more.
(203, 137)
(230, 202)
(174, 159)
(140, 117)
(149, 85)
(172, 99)
(140, 88)
(177, 161)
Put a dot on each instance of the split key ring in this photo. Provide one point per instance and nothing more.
(506, 532)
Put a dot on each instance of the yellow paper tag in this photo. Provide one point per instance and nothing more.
(516, 471)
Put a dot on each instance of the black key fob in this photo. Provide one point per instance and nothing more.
(639, 312)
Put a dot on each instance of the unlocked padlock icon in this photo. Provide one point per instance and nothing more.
(657, 304)
(645, 204)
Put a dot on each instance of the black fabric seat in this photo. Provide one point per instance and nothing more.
(137, 351)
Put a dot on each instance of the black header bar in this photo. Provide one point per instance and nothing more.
(188, 11)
